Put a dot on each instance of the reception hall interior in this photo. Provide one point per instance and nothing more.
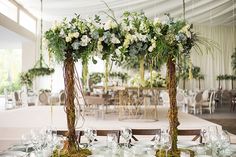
(117, 78)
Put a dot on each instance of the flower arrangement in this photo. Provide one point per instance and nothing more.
(75, 36)
(135, 36)
(69, 41)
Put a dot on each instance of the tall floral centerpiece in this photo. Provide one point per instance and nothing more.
(178, 39)
(108, 40)
(135, 28)
(69, 41)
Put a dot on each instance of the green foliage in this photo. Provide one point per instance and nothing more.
(226, 77)
(96, 78)
(10, 87)
(26, 79)
(76, 36)
(233, 61)
(41, 71)
(121, 75)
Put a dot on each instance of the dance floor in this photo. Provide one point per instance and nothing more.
(15, 122)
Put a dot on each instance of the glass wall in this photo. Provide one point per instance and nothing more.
(10, 68)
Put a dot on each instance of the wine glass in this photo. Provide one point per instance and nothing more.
(166, 142)
(126, 133)
(111, 140)
(157, 140)
(90, 134)
(25, 140)
(224, 140)
(59, 143)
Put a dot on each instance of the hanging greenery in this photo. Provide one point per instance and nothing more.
(26, 79)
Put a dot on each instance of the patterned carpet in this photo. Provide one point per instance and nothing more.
(227, 124)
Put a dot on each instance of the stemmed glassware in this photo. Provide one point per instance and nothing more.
(111, 140)
(166, 142)
(90, 134)
(25, 139)
(126, 133)
(59, 143)
(157, 141)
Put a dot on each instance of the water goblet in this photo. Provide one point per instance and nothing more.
(59, 143)
(157, 139)
(90, 134)
(166, 143)
(25, 139)
(111, 140)
(126, 133)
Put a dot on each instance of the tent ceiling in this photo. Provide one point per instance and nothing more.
(205, 12)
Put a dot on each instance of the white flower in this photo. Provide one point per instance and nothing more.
(114, 39)
(75, 45)
(85, 40)
(109, 25)
(76, 34)
(134, 38)
(117, 51)
(62, 33)
(68, 39)
(156, 21)
(150, 49)
(141, 37)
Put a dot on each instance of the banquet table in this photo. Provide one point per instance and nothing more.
(137, 149)
(15, 122)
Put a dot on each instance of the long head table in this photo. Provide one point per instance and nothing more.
(15, 122)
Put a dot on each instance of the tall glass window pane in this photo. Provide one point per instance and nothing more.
(10, 68)
(27, 21)
(8, 9)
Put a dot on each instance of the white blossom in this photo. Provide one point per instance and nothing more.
(114, 39)
(85, 40)
(110, 24)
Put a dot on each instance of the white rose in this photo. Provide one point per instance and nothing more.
(76, 34)
(85, 40)
(150, 49)
(68, 39)
(114, 39)
(118, 52)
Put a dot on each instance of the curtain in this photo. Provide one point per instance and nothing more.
(217, 62)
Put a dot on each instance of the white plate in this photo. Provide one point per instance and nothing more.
(204, 156)
(185, 144)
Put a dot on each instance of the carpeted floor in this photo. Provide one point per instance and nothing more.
(227, 124)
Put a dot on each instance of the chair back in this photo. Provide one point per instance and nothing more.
(145, 132)
(62, 98)
(191, 132)
(198, 97)
(43, 98)
(205, 95)
(17, 98)
(165, 98)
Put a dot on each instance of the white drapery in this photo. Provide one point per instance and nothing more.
(215, 63)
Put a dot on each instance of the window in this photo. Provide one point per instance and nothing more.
(10, 68)
(27, 21)
(8, 9)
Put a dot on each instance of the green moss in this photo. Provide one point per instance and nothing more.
(80, 153)
(162, 153)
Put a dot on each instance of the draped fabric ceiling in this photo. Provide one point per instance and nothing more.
(216, 12)
(213, 19)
